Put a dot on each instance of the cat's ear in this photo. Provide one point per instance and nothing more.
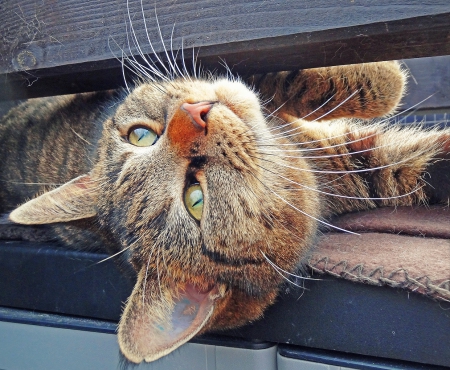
(367, 90)
(72, 201)
(161, 316)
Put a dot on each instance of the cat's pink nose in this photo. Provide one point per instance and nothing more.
(198, 112)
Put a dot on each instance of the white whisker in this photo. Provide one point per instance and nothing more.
(283, 134)
(357, 130)
(287, 272)
(112, 256)
(194, 61)
(32, 183)
(379, 123)
(174, 57)
(174, 71)
(298, 119)
(312, 217)
(161, 75)
(342, 171)
(279, 272)
(339, 195)
(140, 69)
(272, 114)
(269, 152)
(183, 60)
(124, 77)
(299, 210)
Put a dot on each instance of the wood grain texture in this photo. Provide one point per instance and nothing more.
(56, 47)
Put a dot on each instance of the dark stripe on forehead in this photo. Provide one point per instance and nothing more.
(219, 258)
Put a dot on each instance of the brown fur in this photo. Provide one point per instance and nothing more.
(377, 89)
(260, 204)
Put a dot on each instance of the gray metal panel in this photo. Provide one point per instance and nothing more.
(229, 358)
(44, 348)
(35, 347)
(285, 363)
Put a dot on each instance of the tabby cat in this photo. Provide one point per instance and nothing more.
(213, 189)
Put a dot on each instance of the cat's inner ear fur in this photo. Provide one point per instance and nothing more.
(160, 316)
(74, 200)
(366, 91)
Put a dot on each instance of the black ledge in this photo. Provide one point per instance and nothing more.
(329, 314)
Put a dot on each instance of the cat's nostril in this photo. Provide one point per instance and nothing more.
(198, 112)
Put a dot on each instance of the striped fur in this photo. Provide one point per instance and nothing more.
(270, 180)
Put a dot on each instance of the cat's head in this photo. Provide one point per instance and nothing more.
(200, 208)
(189, 185)
(183, 185)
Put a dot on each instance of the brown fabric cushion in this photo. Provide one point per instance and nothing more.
(403, 247)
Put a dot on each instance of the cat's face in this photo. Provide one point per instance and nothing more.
(217, 252)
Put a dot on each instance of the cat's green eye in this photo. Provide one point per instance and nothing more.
(193, 199)
(141, 136)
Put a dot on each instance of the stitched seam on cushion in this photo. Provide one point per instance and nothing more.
(378, 277)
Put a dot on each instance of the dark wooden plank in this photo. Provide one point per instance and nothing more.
(53, 48)
(47, 34)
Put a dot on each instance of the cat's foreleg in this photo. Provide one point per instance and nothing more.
(400, 166)
(372, 165)
(366, 90)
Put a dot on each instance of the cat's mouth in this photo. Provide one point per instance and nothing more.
(222, 259)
